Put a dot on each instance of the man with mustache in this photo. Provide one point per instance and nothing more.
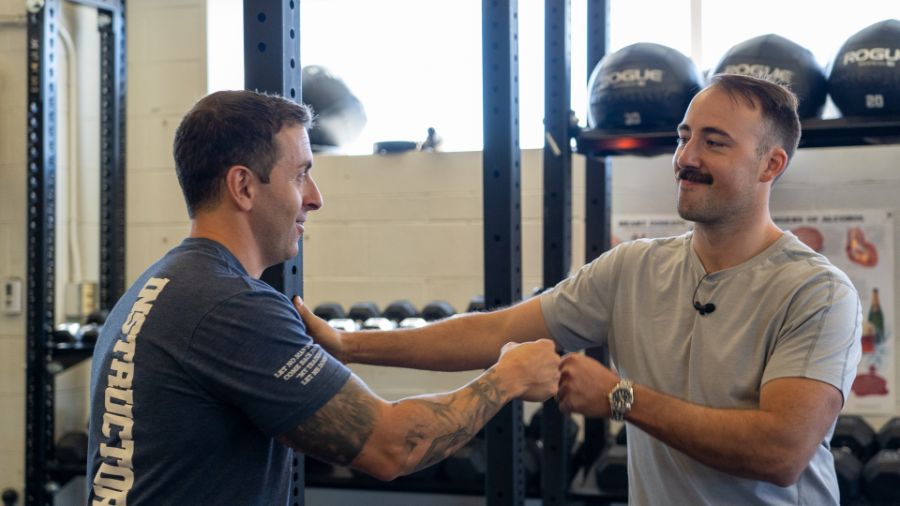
(204, 377)
(735, 344)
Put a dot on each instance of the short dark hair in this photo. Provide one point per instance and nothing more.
(778, 106)
(229, 128)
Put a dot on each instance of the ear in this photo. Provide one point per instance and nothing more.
(239, 187)
(776, 163)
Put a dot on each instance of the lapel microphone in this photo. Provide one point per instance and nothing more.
(703, 309)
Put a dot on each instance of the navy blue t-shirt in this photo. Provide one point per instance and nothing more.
(198, 368)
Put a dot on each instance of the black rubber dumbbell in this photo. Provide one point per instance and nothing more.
(534, 446)
(362, 311)
(889, 435)
(368, 316)
(476, 304)
(330, 311)
(64, 333)
(611, 472)
(72, 448)
(10, 497)
(855, 434)
(881, 478)
(88, 333)
(399, 310)
(98, 316)
(437, 310)
(534, 430)
(401, 313)
(849, 474)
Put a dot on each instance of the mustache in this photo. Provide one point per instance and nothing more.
(693, 175)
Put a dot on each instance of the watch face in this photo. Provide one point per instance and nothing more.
(621, 397)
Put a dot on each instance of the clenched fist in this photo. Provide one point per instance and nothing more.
(532, 367)
(584, 385)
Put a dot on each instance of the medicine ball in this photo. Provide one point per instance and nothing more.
(775, 58)
(865, 74)
(340, 116)
(643, 86)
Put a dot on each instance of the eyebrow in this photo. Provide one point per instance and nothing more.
(705, 130)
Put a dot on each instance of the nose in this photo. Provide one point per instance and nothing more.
(685, 155)
(312, 197)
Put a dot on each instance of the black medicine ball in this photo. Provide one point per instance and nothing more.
(865, 74)
(340, 116)
(780, 60)
(643, 86)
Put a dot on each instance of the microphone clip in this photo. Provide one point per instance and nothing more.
(703, 309)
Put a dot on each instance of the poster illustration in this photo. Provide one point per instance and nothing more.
(860, 243)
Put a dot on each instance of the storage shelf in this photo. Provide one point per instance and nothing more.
(817, 133)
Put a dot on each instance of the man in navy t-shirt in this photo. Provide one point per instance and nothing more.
(204, 376)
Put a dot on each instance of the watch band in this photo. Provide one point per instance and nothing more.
(621, 397)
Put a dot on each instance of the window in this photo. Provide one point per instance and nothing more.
(416, 64)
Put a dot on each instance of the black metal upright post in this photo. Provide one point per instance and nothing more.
(597, 211)
(111, 25)
(272, 65)
(42, 57)
(505, 477)
(557, 256)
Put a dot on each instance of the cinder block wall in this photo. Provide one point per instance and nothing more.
(12, 242)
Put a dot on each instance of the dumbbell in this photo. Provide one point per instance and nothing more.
(345, 324)
(334, 314)
(611, 471)
(889, 435)
(362, 311)
(881, 478)
(849, 473)
(367, 316)
(64, 333)
(72, 448)
(10, 497)
(535, 428)
(329, 311)
(399, 310)
(403, 314)
(97, 316)
(534, 444)
(412, 323)
(88, 333)
(852, 432)
(437, 310)
(476, 304)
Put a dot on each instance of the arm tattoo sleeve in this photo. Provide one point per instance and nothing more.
(337, 431)
(453, 420)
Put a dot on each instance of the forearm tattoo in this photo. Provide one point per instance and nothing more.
(455, 419)
(337, 431)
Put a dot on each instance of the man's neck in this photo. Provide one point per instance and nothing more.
(722, 246)
(231, 236)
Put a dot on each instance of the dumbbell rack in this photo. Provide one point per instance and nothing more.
(45, 358)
